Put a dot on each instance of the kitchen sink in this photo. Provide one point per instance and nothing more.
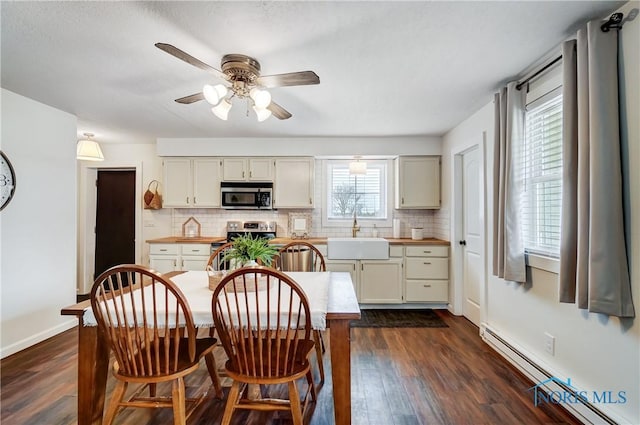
(357, 249)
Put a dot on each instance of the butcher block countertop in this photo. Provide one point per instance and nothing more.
(284, 241)
(182, 239)
(392, 241)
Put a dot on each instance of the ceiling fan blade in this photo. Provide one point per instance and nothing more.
(174, 51)
(191, 98)
(278, 111)
(301, 78)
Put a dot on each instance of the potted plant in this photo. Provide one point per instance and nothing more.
(249, 251)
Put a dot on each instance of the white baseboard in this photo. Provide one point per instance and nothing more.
(538, 372)
(39, 337)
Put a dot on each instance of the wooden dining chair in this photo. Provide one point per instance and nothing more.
(266, 335)
(216, 259)
(150, 330)
(301, 256)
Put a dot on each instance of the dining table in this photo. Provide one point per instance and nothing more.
(341, 308)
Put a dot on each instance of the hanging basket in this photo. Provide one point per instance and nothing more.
(152, 199)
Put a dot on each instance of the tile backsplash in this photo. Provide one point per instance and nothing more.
(213, 222)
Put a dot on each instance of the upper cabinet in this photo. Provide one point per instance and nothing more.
(247, 169)
(192, 182)
(417, 182)
(293, 183)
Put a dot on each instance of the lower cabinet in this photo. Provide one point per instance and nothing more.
(381, 281)
(167, 257)
(426, 273)
(374, 281)
(412, 274)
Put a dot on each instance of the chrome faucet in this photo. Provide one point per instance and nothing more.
(355, 228)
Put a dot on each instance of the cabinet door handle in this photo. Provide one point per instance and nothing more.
(250, 173)
(243, 174)
(164, 250)
(427, 252)
(310, 201)
(463, 242)
(402, 202)
(194, 200)
(426, 286)
(175, 263)
(187, 200)
(427, 263)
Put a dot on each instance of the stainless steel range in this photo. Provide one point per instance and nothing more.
(262, 229)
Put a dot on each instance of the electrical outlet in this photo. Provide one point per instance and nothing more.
(549, 343)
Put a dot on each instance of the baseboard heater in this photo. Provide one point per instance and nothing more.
(582, 409)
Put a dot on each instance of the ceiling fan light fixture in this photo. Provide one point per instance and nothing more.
(89, 150)
(214, 94)
(261, 98)
(262, 113)
(221, 110)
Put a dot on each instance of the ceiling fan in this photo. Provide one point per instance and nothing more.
(241, 74)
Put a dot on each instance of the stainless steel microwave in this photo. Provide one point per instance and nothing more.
(247, 196)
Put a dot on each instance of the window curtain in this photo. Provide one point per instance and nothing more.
(593, 259)
(508, 248)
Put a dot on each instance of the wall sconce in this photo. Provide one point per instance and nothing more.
(89, 150)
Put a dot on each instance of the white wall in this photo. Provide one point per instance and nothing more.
(150, 224)
(597, 352)
(38, 227)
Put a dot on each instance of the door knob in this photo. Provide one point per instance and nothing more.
(463, 242)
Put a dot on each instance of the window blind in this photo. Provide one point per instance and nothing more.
(365, 193)
(541, 171)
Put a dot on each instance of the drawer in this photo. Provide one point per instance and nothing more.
(426, 251)
(427, 291)
(163, 249)
(426, 268)
(196, 249)
(395, 251)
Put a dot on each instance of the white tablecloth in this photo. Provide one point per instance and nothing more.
(195, 286)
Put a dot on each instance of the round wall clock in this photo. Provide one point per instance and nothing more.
(7, 181)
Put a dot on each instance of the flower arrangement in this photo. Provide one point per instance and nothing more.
(248, 250)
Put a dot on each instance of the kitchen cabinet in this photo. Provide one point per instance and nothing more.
(247, 169)
(348, 266)
(192, 183)
(426, 273)
(375, 281)
(293, 182)
(417, 182)
(380, 281)
(167, 257)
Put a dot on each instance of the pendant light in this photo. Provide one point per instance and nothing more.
(357, 167)
(88, 149)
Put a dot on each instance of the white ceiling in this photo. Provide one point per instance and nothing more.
(386, 68)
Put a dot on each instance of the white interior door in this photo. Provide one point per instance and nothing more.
(472, 244)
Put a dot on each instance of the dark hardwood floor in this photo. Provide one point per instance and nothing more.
(400, 376)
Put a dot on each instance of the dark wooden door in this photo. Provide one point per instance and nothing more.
(115, 219)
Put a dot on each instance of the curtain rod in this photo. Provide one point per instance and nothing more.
(538, 72)
(614, 22)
